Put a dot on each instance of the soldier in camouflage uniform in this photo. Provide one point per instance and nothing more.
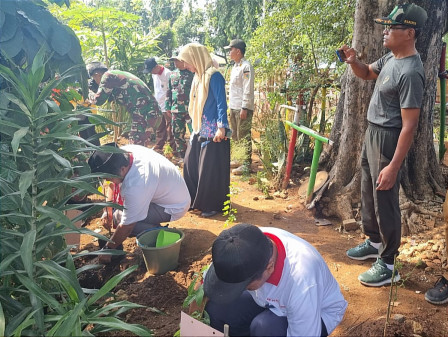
(128, 90)
(177, 100)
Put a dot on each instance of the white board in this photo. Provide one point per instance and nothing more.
(191, 327)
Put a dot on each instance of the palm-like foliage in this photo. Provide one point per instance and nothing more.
(39, 290)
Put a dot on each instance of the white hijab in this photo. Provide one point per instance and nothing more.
(198, 56)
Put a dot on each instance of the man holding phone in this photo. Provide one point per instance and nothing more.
(393, 116)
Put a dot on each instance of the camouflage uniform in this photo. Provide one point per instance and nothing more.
(128, 90)
(177, 100)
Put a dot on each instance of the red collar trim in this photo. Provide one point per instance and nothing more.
(162, 68)
(279, 264)
(131, 159)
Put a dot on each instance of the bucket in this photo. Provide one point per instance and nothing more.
(159, 260)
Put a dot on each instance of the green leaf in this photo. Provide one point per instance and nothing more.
(66, 278)
(115, 323)
(13, 46)
(37, 291)
(110, 285)
(61, 41)
(28, 321)
(56, 215)
(113, 307)
(26, 251)
(38, 62)
(69, 324)
(25, 181)
(2, 321)
(9, 28)
(6, 262)
(18, 102)
(18, 135)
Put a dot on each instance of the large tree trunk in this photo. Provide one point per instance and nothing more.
(421, 176)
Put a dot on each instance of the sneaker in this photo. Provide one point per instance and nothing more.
(234, 164)
(363, 251)
(242, 170)
(378, 275)
(438, 294)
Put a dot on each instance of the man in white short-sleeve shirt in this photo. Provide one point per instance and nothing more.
(268, 282)
(151, 187)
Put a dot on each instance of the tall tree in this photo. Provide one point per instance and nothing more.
(421, 177)
(190, 27)
(162, 10)
(230, 19)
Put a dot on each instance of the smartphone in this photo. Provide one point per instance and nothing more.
(341, 55)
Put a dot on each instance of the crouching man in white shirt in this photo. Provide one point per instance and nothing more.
(268, 282)
(151, 187)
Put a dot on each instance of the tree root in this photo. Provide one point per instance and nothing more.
(415, 217)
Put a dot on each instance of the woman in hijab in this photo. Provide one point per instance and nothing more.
(207, 160)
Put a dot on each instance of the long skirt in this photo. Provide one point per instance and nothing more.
(207, 174)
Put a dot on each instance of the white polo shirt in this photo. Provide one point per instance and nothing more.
(301, 288)
(152, 178)
(161, 87)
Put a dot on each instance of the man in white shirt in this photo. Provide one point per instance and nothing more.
(241, 101)
(160, 78)
(268, 282)
(151, 187)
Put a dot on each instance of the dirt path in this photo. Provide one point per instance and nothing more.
(411, 314)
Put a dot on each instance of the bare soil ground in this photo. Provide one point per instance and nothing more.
(410, 314)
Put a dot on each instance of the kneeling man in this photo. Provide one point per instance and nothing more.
(150, 186)
(268, 282)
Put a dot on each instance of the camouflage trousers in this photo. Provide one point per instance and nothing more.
(143, 126)
(241, 131)
(179, 120)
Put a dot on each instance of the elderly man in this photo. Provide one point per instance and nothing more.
(128, 90)
(393, 116)
(150, 186)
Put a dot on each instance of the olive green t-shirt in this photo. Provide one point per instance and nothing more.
(400, 85)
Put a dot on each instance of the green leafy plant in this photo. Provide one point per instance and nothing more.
(40, 294)
(27, 26)
(262, 184)
(228, 210)
(195, 296)
(167, 150)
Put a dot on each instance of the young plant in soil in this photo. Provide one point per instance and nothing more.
(195, 300)
(228, 210)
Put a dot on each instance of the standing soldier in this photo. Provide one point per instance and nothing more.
(177, 100)
(128, 90)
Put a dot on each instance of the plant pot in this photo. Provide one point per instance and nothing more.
(159, 260)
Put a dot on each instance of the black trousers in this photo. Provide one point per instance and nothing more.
(380, 210)
(207, 173)
(246, 318)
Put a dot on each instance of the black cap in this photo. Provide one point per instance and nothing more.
(101, 161)
(149, 65)
(96, 66)
(406, 14)
(239, 254)
(237, 43)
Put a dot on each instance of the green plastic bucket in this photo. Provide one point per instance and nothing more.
(159, 260)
